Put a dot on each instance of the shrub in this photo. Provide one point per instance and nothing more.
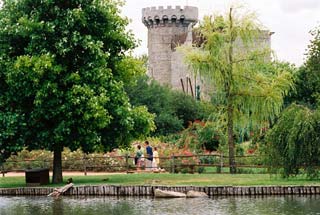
(293, 142)
(173, 109)
(71, 160)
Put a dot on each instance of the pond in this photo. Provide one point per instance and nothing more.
(267, 205)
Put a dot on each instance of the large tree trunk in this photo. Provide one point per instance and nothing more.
(232, 161)
(57, 166)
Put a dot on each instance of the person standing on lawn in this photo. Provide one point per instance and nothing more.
(156, 159)
(149, 157)
(138, 156)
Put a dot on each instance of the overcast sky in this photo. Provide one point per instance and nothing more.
(291, 20)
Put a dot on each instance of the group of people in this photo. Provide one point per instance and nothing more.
(150, 161)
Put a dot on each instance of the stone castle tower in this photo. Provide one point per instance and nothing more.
(166, 27)
(170, 27)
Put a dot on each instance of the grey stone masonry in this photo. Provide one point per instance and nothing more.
(171, 27)
(165, 16)
(163, 25)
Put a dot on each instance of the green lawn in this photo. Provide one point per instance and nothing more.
(173, 179)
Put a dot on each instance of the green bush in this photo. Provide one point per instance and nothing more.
(171, 138)
(167, 124)
(209, 160)
(293, 142)
(209, 137)
(200, 169)
(174, 110)
(71, 160)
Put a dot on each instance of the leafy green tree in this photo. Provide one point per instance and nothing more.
(188, 109)
(173, 110)
(307, 81)
(157, 99)
(11, 123)
(210, 136)
(63, 67)
(247, 86)
(293, 142)
(312, 65)
(306, 89)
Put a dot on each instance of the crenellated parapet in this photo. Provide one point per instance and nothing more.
(164, 25)
(155, 16)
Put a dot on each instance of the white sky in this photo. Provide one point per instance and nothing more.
(291, 20)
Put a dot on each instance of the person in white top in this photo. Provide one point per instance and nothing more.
(156, 160)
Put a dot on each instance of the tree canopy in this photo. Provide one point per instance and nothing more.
(293, 142)
(307, 81)
(173, 110)
(62, 73)
(246, 84)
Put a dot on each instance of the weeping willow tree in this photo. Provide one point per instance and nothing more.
(246, 84)
(293, 142)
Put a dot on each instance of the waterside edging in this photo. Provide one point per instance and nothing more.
(148, 190)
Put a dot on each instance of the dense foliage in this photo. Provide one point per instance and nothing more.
(307, 84)
(247, 86)
(173, 110)
(294, 141)
(307, 88)
(63, 68)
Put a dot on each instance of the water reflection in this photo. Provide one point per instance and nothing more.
(283, 205)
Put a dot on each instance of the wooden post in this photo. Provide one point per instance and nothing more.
(172, 164)
(182, 85)
(127, 163)
(2, 169)
(44, 165)
(191, 88)
(221, 162)
(187, 90)
(85, 164)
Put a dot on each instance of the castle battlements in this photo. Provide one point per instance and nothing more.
(160, 16)
(164, 25)
(170, 27)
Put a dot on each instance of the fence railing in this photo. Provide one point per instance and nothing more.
(209, 163)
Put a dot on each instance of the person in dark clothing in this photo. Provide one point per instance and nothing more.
(149, 156)
(137, 158)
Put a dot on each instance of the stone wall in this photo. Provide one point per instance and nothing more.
(180, 72)
(163, 25)
(169, 26)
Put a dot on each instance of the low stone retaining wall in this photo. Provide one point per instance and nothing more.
(113, 190)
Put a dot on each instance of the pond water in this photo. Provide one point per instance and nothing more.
(291, 205)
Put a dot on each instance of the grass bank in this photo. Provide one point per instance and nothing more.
(173, 179)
